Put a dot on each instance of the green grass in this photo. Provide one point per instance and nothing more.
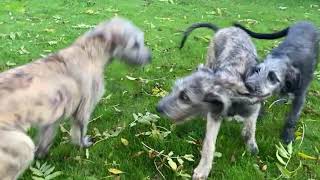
(50, 25)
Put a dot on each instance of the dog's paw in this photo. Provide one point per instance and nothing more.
(253, 148)
(86, 142)
(201, 173)
(288, 135)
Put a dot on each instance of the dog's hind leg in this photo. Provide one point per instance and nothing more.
(293, 117)
(80, 123)
(16, 153)
(249, 130)
(203, 169)
(46, 135)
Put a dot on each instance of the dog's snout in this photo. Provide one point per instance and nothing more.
(250, 87)
(159, 109)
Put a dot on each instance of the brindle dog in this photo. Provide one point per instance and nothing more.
(214, 91)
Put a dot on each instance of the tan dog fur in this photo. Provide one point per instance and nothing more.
(65, 84)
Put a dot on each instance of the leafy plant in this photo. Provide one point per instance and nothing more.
(175, 163)
(284, 156)
(147, 118)
(155, 131)
(44, 171)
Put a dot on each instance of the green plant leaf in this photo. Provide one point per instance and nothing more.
(282, 152)
(172, 164)
(305, 156)
(188, 157)
(284, 171)
(289, 147)
(180, 160)
(36, 172)
(217, 154)
(53, 175)
(37, 178)
(280, 158)
(49, 171)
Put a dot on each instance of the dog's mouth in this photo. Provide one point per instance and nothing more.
(258, 96)
(263, 96)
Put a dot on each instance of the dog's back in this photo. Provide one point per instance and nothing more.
(301, 42)
(234, 49)
(302, 47)
(36, 93)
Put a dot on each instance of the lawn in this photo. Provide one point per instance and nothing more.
(32, 28)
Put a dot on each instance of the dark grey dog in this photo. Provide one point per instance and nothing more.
(213, 91)
(288, 69)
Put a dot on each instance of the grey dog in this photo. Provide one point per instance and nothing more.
(213, 91)
(287, 69)
(68, 83)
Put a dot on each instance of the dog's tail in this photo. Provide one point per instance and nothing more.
(275, 35)
(187, 32)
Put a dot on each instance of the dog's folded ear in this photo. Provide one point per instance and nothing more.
(292, 80)
(215, 101)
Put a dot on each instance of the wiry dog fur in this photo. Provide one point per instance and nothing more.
(68, 83)
(287, 69)
(214, 91)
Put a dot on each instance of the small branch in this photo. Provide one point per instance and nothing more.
(155, 164)
(276, 101)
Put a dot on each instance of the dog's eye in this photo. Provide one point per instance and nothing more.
(136, 45)
(272, 77)
(256, 69)
(183, 96)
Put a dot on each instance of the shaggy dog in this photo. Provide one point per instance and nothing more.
(288, 69)
(214, 91)
(68, 83)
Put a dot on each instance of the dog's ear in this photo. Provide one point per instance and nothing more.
(215, 101)
(292, 79)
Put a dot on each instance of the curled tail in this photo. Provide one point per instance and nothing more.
(275, 35)
(195, 26)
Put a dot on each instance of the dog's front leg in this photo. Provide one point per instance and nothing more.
(208, 148)
(249, 130)
(46, 135)
(293, 117)
(80, 123)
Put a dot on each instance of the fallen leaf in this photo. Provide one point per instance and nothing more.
(188, 157)
(10, 64)
(264, 167)
(49, 30)
(52, 42)
(124, 141)
(282, 7)
(217, 154)
(180, 160)
(87, 153)
(137, 154)
(131, 78)
(305, 156)
(172, 164)
(82, 26)
(115, 171)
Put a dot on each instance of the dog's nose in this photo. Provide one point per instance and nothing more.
(159, 109)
